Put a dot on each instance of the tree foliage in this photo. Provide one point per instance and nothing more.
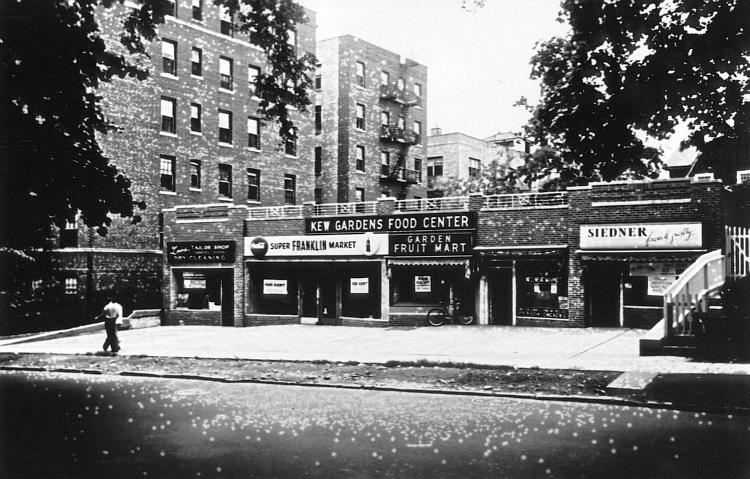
(53, 60)
(494, 178)
(632, 69)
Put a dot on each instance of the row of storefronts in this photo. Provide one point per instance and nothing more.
(586, 259)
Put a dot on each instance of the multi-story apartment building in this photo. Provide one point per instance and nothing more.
(371, 114)
(188, 134)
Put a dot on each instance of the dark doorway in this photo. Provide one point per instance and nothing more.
(310, 295)
(501, 296)
(603, 283)
(328, 283)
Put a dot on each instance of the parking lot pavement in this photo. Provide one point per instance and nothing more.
(589, 348)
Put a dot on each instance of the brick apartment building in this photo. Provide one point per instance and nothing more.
(190, 134)
(371, 115)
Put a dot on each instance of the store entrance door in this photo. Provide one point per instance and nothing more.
(327, 305)
(501, 296)
(227, 300)
(603, 283)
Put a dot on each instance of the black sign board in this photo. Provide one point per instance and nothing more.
(394, 223)
(431, 244)
(200, 252)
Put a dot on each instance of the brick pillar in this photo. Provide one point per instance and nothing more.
(308, 207)
(386, 206)
(476, 201)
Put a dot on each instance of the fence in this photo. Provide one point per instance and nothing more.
(275, 212)
(526, 200)
(460, 203)
(738, 251)
(346, 209)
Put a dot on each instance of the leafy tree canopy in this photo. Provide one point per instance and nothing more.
(631, 69)
(52, 61)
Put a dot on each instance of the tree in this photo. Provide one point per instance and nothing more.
(53, 59)
(494, 178)
(633, 69)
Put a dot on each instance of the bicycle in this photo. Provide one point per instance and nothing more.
(443, 314)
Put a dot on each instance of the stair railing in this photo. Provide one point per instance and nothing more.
(690, 294)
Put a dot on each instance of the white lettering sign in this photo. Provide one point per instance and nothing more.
(330, 245)
(274, 286)
(642, 236)
(359, 285)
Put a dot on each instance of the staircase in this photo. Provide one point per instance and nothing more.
(696, 316)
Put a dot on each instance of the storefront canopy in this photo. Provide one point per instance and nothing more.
(652, 255)
(428, 262)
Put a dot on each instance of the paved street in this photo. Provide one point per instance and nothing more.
(591, 348)
(62, 426)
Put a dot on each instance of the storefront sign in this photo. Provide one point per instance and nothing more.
(193, 281)
(660, 276)
(359, 285)
(333, 245)
(431, 244)
(542, 313)
(395, 223)
(422, 284)
(201, 252)
(642, 236)
(274, 286)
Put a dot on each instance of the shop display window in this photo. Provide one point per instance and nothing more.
(361, 291)
(198, 290)
(645, 283)
(542, 290)
(273, 290)
(428, 285)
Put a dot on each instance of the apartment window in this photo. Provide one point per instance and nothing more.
(418, 89)
(290, 189)
(197, 9)
(360, 158)
(226, 22)
(170, 8)
(196, 61)
(359, 195)
(418, 169)
(168, 124)
(225, 73)
(318, 119)
(318, 195)
(385, 118)
(435, 166)
(225, 181)
(253, 184)
(401, 122)
(253, 73)
(36, 285)
(385, 78)
(360, 122)
(167, 164)
(292, 38)
(290, 147)
(318, 82)
(743, 176)
(195, 174)
(474, 167)
(385, 163)
(225, 126)
(400, 84)
(169, 57)
(71, 285)
(69, 235)
(253, 133)
(318, 160)
(360, 74)
(418, 132)
(195, 117)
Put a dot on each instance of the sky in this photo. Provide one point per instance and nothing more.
(477, 62)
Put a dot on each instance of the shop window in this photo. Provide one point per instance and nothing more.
(273, 290)
(199, 290)
(427, 285)
(645, 283)
(360, 291)
(542, 290)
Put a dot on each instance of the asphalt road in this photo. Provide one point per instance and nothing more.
(81, 426)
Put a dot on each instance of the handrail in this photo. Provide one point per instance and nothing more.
(433, 204)
(526, 200)
(689, 293)
(344, 209)
(274, 212)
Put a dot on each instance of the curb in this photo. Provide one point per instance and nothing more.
(605, 400)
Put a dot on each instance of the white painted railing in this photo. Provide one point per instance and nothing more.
(346, 209)
(274, 212)
(526, 200)
(738, 251)
(434, 204)
(689, 294)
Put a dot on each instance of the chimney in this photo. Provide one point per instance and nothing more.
(436, 130)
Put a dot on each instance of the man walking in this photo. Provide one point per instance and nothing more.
(112, 315)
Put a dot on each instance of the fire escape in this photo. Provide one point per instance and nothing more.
(399, 139)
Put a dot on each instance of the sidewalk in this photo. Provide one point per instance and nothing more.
(558, 348)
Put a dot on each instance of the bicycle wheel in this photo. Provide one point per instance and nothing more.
(437, 317)
(465, 319)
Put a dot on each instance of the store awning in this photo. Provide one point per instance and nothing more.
(429, 262)
(523, 251)
(651, 256)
